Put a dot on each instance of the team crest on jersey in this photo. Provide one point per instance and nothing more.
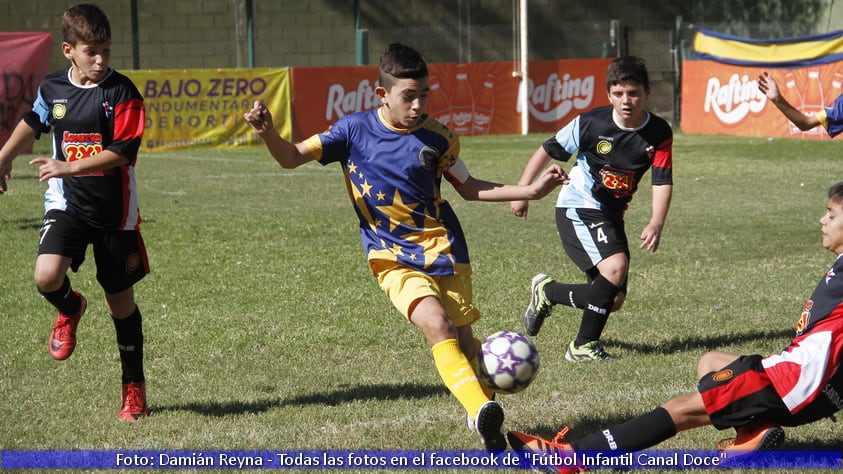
(108, 109)
(722, 375)
(804, 317)
(428, 156)
(651, 152)
(604, 147)
(59, 111)
(132, 263)
(829, 276)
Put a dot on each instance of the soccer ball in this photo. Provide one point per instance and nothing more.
(508, 362)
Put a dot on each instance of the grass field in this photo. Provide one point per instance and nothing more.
(264, 329)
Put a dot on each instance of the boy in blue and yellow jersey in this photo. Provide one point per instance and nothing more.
(615, 146)
(394, 158)
(96, 116)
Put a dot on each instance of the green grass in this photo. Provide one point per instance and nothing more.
(265, 330)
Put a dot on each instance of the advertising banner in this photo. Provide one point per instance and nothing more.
(471, 99)
(205, 107)
(25, 61)
(720, 98)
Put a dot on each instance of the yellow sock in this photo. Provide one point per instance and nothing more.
(459, 377)
(474, 360)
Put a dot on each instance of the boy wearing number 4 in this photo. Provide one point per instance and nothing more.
(753, 394)
(615, 144)
(394, 159)
(96, 116)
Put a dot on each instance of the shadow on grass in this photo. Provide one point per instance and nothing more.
(711, 342)
(334, 398)
(25, 223)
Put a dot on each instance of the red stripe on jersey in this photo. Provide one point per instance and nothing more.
(744, 384)
(127, 194)
(664, 155)
(129, 119)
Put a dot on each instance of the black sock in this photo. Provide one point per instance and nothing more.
(569, 294)
(130, 343)
(638, 433)
(64, 299)
(601, 297)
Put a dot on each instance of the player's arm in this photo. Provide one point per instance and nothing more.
(651, 235)
(534, 166)
(287, 154)
(22, 136)
(104, 160)
(768, 86)
(472, 189)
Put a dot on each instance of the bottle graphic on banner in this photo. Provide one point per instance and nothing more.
(484, 107)
(437, 102)
(836, 87)
(792, 95)
(813, 99)
(462, 103)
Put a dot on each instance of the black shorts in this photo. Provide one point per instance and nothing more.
(742, 392)
(590, 235)
(120, 255)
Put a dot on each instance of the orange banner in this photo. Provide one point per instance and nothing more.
(26, 61)
(471, 99)
(724, 99)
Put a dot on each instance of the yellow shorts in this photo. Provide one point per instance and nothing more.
(405, 286)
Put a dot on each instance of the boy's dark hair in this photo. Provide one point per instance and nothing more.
(835, 193)
(85, 22)
(400, 61)
(628, 69)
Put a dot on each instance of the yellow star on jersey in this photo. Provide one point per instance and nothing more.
(366, 188)
(399, 212)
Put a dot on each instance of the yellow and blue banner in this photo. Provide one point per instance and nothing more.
(798, 51)
(205, 107)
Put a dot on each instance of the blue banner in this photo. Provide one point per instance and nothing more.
(281, 459)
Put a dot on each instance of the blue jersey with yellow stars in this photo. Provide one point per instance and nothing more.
(832, 117)
(393, 178)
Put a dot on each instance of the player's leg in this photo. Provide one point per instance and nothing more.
(121, 262)
(741, 395)
(61, 247)
(420, 299)
(457, 371)
(604, 295)
(597, 243)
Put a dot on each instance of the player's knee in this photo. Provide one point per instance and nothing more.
(436, 327)
(48, 279)
(710, 362)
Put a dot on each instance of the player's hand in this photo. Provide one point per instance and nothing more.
(768, 86)
(552, 177)
(50, 168)
(519, 208)
(650, 237)
(259, 117)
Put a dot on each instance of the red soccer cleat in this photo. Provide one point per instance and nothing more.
(63, 335)
(753, 438)
(551, 455)
(134, 402)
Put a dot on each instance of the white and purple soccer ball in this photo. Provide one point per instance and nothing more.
(508, 362)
